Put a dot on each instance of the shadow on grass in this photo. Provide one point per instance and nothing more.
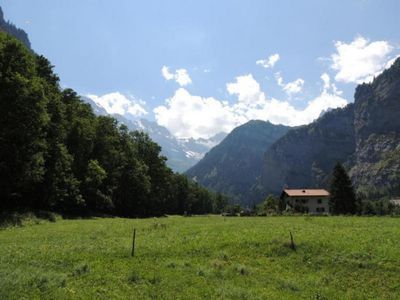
(20, 218)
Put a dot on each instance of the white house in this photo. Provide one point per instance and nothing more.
(395, 201)
(313, 201)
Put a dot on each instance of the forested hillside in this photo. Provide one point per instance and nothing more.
(233, 166)
(305, 156)
(56, 154)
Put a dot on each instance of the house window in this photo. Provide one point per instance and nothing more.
(319, 201)
(320, 209)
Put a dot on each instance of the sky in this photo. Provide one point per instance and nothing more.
(202, 67)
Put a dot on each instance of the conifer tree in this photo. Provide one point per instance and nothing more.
(343, 198)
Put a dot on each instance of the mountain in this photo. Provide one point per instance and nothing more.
(13, 30)
(181, 153)
(364, 136)
(233, 166)
(376, 171)
(305, 156)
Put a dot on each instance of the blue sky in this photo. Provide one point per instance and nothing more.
(115, 51)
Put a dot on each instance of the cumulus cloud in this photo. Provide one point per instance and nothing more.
(360, 60)
(187, 115)
(294, 87)
(268, 62)
(117, 103)
(290, 88)
(181, 76)
(247, 89)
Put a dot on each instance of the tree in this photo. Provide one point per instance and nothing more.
(343, 198)
(95, 199)
(23, 120)
(270, 204)
(220, 202)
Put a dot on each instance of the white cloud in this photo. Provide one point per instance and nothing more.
(269, 62)
(328, 85)
(326, 79)
(360, 60)
(391, 62)
(246, 88)
(181, 76)
(290, 88)
(279, 78)
(117, 103)
(294, 87)
(186, 115)
(166, 73)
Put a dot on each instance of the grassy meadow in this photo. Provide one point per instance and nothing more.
(208, 257)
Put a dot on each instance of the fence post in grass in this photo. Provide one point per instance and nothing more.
(133, 242)
(292, 244)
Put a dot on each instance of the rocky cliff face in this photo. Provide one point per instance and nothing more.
(376, 171)
(232, 167)
(305, 156)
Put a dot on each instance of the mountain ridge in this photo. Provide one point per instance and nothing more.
(232, 166)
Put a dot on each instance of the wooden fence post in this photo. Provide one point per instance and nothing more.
(292, 244)
(133, 242)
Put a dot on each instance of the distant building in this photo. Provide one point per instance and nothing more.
(395, 201)
(313, 201)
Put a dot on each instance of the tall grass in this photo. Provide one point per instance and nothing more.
(203, 258)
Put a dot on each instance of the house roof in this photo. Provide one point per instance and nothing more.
(306, 192)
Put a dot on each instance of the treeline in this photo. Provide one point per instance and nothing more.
(57, 155)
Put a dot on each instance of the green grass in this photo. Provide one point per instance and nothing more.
(203, 258)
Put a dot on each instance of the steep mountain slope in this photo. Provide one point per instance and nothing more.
(305, 156)
(233, 166)
(181, 153)
(365, 136)
(14, 31)
(377, 128)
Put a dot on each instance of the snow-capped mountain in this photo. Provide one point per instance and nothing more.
(181, 153)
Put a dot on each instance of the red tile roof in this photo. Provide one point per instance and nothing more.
(306, 193)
